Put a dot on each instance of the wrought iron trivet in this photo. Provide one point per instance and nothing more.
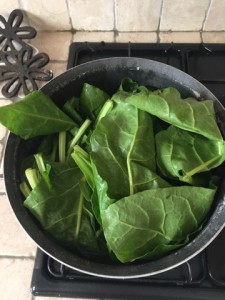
(20, 66)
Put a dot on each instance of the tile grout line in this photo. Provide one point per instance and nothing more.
(69, 15)
(114, 22)
(17, 257)
(160, 17)
(204, 20)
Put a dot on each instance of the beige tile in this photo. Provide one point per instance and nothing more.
(215, 19)
(55, 44)
(183, 15)
(213, 37)
(15, 277)
(8, 6)
(94, 36)
(1, 151)
(3, 130)
(92, 15)
(47, 15)
(2, 186)
(136, 37)
(13, 239)
(133, 15)
(2, 148)
(179, 37)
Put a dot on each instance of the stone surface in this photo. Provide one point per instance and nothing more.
(55, 44)
(212, 37)
(8, 6)
(133, 15)
(3, 130)
(13, 239)
(91, 15)
(136, 37)
(182, 15)
(15, 277)
(93, 36)
(47, 15)
(179, 37)
(215, 19)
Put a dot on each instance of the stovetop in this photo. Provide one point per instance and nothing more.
(203, 277)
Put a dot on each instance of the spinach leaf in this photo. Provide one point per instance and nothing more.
(158, 218)
(34, 115)
(57, 208)
(87, 242)
(71, 108)
(182, 154)
(167, 104)
(123, 151)
(91, 101)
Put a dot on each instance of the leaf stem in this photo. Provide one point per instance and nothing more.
(32, 177)
(40, 163)
(81, 151)
(54, 152)
(62, 146)
(198, 169)
(79, 214)
(25, 190)
(82, 160)
(79, 134)
(107, 107)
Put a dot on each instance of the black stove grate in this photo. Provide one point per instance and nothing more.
(189, 273)
(202, 277)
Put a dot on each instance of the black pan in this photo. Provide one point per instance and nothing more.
(107, 74)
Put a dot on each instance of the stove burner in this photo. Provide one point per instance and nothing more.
(18, 63)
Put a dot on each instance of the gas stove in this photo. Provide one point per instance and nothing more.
(202, 277)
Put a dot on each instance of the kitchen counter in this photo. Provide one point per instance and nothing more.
(17, 251)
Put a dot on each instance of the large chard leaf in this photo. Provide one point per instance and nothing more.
(100, 198)
(156, 221)
(123, 151)
(168, 105)
(91, 100)
(34, 115)
(60, 209)
(88, 244)
(182, 154)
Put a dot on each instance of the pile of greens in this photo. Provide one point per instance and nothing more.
(122, 177)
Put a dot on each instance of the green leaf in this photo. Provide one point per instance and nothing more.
(57, 209)
(158, 219)
(167, 104)
(91, 101)
(71, 108)
(34, 115)
(123, 151)
(182, 154)
(87, 242)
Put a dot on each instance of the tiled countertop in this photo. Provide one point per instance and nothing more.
(17, 251)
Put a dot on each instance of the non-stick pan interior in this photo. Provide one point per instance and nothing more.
(107, 75)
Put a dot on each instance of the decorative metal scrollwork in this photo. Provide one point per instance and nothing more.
(20, 66)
